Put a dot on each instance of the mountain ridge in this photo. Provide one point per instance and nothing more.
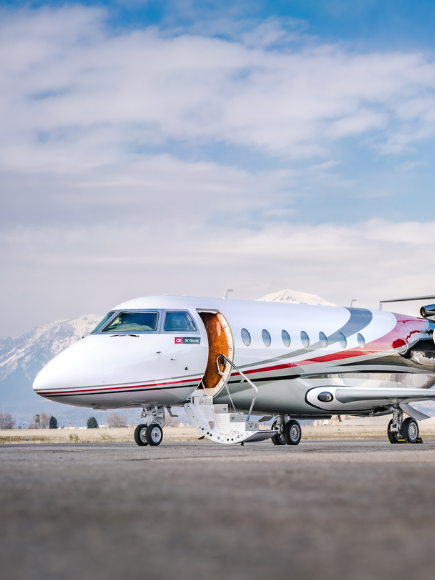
(21, 359)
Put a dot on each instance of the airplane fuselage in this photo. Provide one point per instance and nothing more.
(137, 358)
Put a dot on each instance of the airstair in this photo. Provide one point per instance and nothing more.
(217, 423)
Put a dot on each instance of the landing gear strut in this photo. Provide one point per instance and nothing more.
(150, 432)
(289, 432)
(395, 424)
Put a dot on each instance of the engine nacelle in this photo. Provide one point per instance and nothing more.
(428, 310)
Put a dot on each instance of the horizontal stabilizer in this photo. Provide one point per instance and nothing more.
(408, 299)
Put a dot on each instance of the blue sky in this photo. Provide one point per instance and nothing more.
(390, 24)
(187, 147)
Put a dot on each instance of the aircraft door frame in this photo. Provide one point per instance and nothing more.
(220, 341)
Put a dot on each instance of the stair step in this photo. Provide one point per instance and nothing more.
(215, 423)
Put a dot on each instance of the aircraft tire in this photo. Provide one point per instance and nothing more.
(277, 439)
(140, 435)
(154, 435)
(292, 432)
(392, 437)
(409, 430)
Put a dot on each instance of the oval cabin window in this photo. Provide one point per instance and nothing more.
(246, 337)
(342, 340)
(266, 337)
(305, 339)
(285, 338)
(323, 340)
(361, 340)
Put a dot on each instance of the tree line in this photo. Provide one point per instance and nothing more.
(45, 421)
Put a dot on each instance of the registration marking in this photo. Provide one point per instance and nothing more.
(187, 340)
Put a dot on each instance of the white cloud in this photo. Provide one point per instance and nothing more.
(70, 86)
(97, 207)
(60, 272)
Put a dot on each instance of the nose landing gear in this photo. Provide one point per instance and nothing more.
(140, 435)
(150, 432)
(148, 435)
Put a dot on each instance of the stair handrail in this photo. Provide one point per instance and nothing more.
(245, 378)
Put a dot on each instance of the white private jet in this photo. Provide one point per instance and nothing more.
(232, 363)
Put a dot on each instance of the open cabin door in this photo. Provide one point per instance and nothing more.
(212, 420)
(220, 341)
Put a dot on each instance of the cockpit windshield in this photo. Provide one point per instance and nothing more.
(179, 322)
(133, 322)
(100, 324)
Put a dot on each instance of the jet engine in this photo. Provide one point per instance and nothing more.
(427, 311)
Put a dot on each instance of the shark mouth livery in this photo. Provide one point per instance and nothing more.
(231, 362)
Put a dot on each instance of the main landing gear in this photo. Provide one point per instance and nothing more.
(403, 431)
(289, 432)
(150, 432)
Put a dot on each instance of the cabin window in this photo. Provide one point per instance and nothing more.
(342, 340)
(266, 337)
(133, 322)
(103, 322)
(323, 340)
(361, 340)
(179, 321)
(285, 338)
(305, 339)
(246, 337)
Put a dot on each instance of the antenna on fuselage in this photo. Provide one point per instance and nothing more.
(352, 301)
(227, 292)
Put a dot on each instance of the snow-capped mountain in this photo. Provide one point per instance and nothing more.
(31, 351)
(294, 296)
(23, 357)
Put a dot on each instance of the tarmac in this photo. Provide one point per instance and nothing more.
(329, 510)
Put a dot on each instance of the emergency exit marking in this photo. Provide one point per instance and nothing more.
(187, 340)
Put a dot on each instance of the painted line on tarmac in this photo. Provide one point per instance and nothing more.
(368, 457)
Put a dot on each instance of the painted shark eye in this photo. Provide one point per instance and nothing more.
(400, 345)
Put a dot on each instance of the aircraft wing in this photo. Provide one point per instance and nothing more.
(347, 399)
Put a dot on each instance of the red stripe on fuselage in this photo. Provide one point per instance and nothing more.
(119, 387)
(411, 326)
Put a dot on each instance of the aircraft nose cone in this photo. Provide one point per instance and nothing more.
(59, 373)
